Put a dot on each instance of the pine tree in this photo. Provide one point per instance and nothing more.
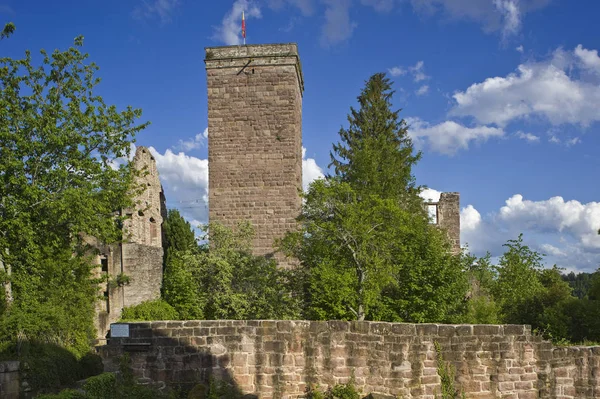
(375, 155)
(179, 235)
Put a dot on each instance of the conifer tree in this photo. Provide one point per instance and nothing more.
(375, 154)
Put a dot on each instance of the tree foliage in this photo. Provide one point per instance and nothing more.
(365, 243)
(225, 281)
(57, 143)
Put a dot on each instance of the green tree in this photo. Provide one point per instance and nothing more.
(365, 243)
(58, 141)
(179, 235)
(8, 30)
(375, 154)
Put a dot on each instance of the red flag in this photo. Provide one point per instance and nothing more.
(243, 26)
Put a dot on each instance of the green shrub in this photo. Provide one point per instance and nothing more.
(66, 394)
(150, 310)
(339, 391)
(103, 386)
(90, 365)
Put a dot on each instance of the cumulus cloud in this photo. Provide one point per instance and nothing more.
(230, 30)
(545, 90)
(430, 195)
(449, 137)
(185, 181)
(396, 71)
(495, 15)
(588, 58)
(418, 71)
(532, 138)
(422, 90)
(520, 49)
(338, 26)
(193, 143)
(565, 230)
(310, 170)
(161, 9)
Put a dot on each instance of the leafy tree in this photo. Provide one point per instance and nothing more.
(365, 243)
(223, 280)
(8, 30)
(57, 142)
(238, 285)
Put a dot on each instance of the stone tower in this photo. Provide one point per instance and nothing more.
(446, 214)
(140, 255)
(255, 138)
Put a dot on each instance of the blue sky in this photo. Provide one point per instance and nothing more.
(502, 95)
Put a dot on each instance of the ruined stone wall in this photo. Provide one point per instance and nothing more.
(277, 359)
(145, 220)
(140, 256)
(447, 216)
(255, 138)
(9, 380)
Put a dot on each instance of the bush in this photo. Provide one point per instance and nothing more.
(66, 394)
(150, 310)
(103, 386)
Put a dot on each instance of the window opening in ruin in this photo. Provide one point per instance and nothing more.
(104, 263)
(432, 212)
(140, 213)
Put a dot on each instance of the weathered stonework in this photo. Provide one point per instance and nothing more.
(9, 380)
(277, 359)
(447, 217)
(255, 138)
(140, 256)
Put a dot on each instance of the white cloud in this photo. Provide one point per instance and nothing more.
(185, 180)
(191, 144)
(493, 15)
(532, 138)
(230, 31)
(430, 195)
(566, 231)
(310, 170)
(379, 5)
(397, 71)
(338, 27)
(417, 71)
(550, 249)
(543, 90)
(511, 16)
(520, 49)
(573, 141)
(449, 137)
(422, 90)
(588, 58)
(161, 9)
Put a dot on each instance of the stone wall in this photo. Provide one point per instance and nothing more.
(9, 380)
(447, 216)
(255, 138)
(277, 359)
(140, 256)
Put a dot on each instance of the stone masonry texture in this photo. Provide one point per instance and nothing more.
(449, 217)
(255, 139)
(140, 256)
(9, 380)
(277, 359)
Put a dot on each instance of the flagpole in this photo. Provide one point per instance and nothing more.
(244, 27)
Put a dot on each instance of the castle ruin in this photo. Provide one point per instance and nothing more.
(140, 255)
